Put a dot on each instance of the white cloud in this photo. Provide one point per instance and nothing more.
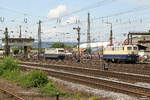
(72, 19)
(57, 12)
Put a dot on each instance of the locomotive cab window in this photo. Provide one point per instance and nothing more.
(129, 48)
(60, 50)
(134, 48)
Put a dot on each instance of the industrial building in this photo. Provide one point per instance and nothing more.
(143, 42)
(24, 43)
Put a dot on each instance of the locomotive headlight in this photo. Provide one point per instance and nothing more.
(128, 54)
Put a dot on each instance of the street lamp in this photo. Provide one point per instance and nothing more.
(111, 42)
(78, 30)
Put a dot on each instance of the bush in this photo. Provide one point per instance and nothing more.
(94, 98)
(10, 64)
(35, 79)
(49, 90)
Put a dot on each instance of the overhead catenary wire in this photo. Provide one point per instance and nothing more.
(95, 5)
(90, 7)
(136, 9)
(118, 24)
(102, 2)
(140, 8)
(124, 12)
(20, 12)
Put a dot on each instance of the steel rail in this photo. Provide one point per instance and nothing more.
(11, 94)
(96, 82)
(95, 72)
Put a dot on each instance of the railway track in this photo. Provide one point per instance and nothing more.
(140, 68)
(95, 72)
(12, 95)
(96, 82)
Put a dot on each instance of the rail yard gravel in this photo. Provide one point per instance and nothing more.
(95, 92)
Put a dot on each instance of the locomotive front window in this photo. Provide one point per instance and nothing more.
(134, 48)
(60, 50)
(129, 48)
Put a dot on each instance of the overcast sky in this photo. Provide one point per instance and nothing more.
(60, 16)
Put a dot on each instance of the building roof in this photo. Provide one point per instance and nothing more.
(18, 39)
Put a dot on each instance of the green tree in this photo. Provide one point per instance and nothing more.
(60, 45)
(74, 46)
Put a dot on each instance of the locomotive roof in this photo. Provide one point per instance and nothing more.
(122, 46)
(54, 49)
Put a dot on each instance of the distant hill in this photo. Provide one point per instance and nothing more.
(48, 44)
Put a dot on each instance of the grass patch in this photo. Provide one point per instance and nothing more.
(78, 97)
(50, 90)
(94, 98)
(10, 70)
(12, 75)
(35, 79)
(10, 64)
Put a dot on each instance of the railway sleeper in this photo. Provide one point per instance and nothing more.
(100, 73)
(110, 84)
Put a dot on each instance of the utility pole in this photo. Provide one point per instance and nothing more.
(88, 36)
(78, 30)
(111, 33)
(20, 35)
(6, 42)
(39, 39)
(111, 41)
